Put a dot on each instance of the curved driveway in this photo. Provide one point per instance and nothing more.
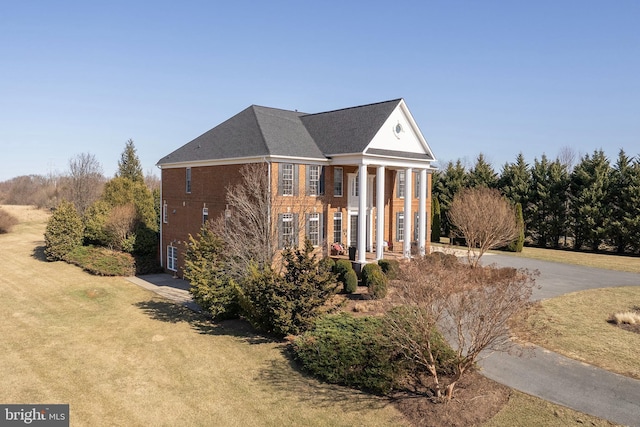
(556, 378)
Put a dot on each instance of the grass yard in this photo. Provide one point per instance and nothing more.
(576, 325)
(120, 355)
(607, 261)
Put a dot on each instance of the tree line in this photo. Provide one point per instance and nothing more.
(594, 205)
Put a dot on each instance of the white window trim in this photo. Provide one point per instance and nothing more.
(172, 258)
(165, 213)
(314, 218)
(337, 216)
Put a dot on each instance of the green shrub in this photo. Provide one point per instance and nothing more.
(390, 267)
(102, 261)
(341, 268)
(7, 221)
(327, 264)
(375, 280)
(211, 287)
(350, 282)
(64, 232)
(286, 304)
(352, 351)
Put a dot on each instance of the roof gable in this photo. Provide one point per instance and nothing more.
(400, 134)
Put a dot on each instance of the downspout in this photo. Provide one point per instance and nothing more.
(269, 201)
(161, 219)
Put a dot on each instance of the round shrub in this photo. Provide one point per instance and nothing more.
(327, 264)
(342, 266)
(390, 267)
(350, 282)
(352, 351)
(377, 283)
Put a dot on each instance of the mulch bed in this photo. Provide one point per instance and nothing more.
(476, 400)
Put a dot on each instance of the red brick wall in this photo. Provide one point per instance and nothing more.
(208, 189)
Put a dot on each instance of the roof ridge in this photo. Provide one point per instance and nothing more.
(255, 116)
(354, 107)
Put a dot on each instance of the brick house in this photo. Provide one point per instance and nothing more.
(315, 160)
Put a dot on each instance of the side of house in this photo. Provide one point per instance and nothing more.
(316, 163)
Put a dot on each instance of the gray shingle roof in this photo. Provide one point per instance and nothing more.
(262, 131)
(348, 130)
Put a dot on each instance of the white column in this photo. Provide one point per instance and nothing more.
(362, 213)
(406, 252)
(380, 212)
(422, 212)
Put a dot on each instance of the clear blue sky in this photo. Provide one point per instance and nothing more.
(497, 77)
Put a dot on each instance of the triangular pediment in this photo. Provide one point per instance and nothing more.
(400, 134)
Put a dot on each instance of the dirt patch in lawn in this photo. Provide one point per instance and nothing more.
(476, 400)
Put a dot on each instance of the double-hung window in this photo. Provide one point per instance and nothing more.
(205, 215)
(401, 184)
(165, 212)
(337, 227)
(287, 230)
(172, 258)
(188, 179)
(338, 181)
(315, 180)
(287, 179)
(399, 226)
(314, 228)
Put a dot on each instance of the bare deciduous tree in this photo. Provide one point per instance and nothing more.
(471, 306)
(120, 225)
(250, 225)
(484, 218)
(85, 181)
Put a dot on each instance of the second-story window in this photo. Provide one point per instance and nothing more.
(338, 180)
(165, 212)
(287, 179)
(315, 180)
(188, 178)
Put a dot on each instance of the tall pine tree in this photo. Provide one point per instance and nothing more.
(589, 206)
(624, 201)
(129, 165)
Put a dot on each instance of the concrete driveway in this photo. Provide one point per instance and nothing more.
(556, 378)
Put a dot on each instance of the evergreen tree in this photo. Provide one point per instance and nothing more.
(212, 289)
(589, 206)
(518, 244)
(63, 233)
(537, 212)
(557, 202)
(624, 202)
(435, 221)
(482, 174)
(129, 164)
(515, 181)
(449, 182)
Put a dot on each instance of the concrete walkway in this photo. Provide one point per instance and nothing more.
(538, 372)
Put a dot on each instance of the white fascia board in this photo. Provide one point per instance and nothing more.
(244, 160)
(378, 160)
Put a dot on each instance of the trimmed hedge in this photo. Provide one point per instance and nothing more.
(350, 283)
